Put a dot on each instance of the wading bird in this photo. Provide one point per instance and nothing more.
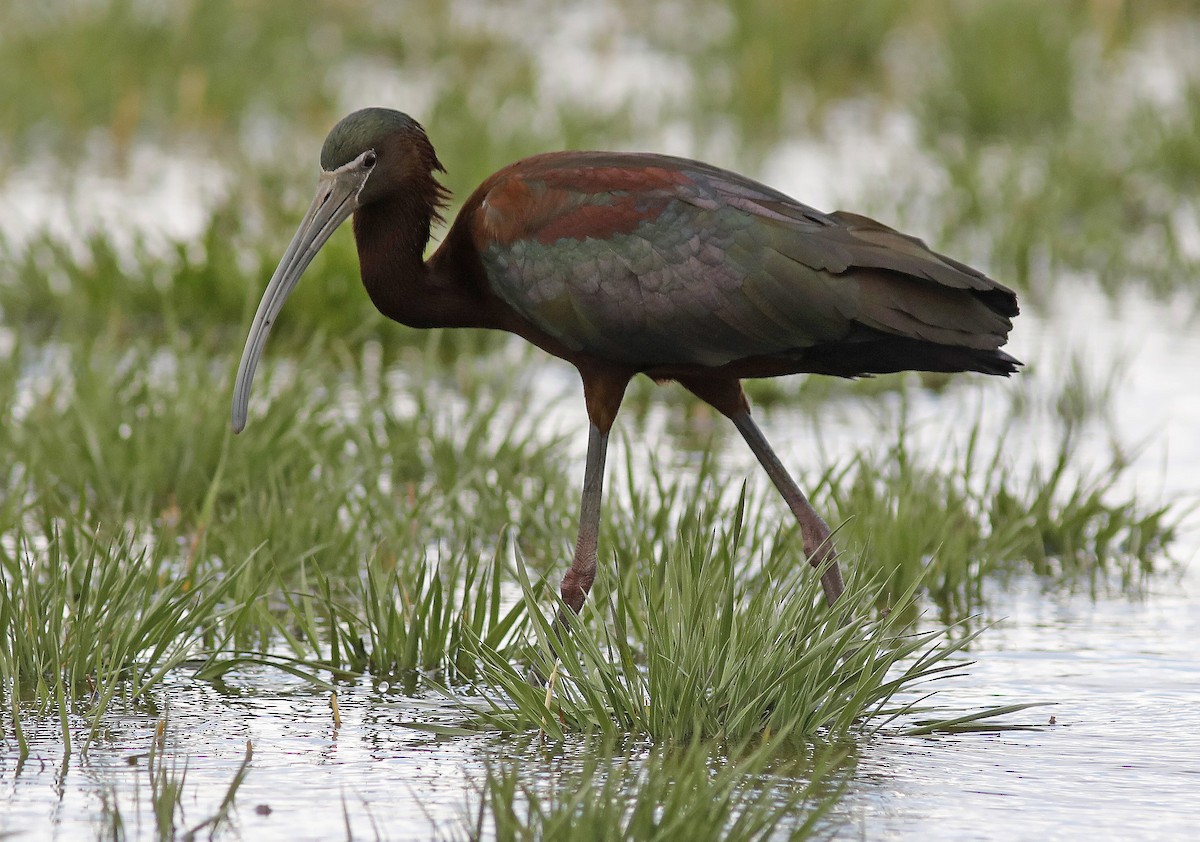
(625, 264)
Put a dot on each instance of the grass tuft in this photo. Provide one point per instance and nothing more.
(86, 620)
(715, 651)
(955, 520)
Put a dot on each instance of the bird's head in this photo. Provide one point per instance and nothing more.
(369, 155)
(379, 151)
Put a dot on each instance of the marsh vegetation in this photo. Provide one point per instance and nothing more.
(391, 526)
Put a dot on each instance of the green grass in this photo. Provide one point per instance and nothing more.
(199, 293)
(87, 622)
(144, 434)
(1046, 163)
(1031, 177)
(695, 791)
(715, 648)
(135, 539)
(372, 536)
(405, 624)
(984, 92)
(128, 497)
(186, 67)
(957, 528)
(957, 508)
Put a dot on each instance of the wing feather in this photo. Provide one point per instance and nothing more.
(652, 261)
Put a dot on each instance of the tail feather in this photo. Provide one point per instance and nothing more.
(887, 354)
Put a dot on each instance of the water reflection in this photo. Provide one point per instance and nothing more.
(1122, 760)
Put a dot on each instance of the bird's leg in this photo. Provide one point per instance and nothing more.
(818, 541)
(603, 389)
(578, 579)
(727, 397)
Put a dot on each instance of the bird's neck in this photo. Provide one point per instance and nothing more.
(391, 238)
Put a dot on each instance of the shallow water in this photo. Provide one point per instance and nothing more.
(1122, 760)
(1121, 671)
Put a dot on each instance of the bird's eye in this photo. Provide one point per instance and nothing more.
(369, 159)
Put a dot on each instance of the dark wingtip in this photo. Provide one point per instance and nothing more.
(1000, 299)
(1002, 364)
(884, 354)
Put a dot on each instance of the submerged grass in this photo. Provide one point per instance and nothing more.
(695, 791)
(168, 786)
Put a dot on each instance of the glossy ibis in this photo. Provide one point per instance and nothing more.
(625, 264)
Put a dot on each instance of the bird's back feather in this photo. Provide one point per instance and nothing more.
(663, 262)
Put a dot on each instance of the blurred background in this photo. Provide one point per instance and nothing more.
(1017, 134)
(154, 157)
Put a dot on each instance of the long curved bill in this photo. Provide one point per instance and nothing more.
(336, 199)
